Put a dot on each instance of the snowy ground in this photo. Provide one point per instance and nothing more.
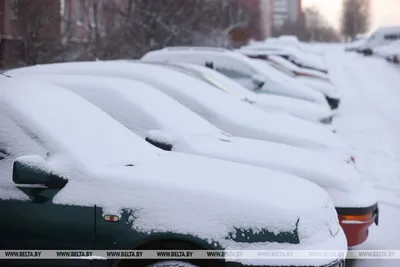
(369, 120)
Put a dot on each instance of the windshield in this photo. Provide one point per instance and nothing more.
(74, 126)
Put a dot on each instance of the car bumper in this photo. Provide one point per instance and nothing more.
(337, 263)
(356, 221)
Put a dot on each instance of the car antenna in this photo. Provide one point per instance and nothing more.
(5, 75)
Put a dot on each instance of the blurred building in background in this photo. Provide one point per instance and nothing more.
(285, 11)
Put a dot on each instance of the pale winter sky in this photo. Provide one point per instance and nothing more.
(384, 12)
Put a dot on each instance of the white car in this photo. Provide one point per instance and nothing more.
(237, 67)
(382, 36)
(140, 194)
(227, 113)
(267, 102)
(298, 57)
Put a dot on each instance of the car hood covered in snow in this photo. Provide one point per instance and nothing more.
(166, 192)
(225, 112)
(341, 180)
(324, 87)
(295, 107)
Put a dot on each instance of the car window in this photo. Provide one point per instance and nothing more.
(390, 37)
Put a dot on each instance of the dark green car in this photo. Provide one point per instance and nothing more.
(72, 178)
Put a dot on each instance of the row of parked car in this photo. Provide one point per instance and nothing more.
(384, 42)
(186, 148)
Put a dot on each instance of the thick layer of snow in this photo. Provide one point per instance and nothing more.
(300, 83)
(356, 45)
(225, 59)
(225, 112)
(294, 68)
(296, 107)
(268, 102)
(129, 102)
(370, 122)
(325, 87)
(158, 180)
(391, 49)
(282, 84)
(300, 57)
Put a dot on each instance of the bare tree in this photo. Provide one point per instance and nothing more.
(318, 28)
(355, 17)
(40, 40)
(312, 26)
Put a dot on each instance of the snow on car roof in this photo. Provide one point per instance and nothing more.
(221, 80)
(144, 108)
(71, 125)
(310, 59)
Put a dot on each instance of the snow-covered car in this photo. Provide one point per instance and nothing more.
(167, 124)
(382, 36)
(267, 102)
(285, 64)
(239, 68)
(72, 177)
(390, 52)
(326, 88)
(227, 113)
(295, 55)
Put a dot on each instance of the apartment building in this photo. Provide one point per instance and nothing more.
(284, 11)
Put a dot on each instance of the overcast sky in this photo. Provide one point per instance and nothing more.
(384, 12)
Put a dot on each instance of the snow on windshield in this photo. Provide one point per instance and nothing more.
(14, 142)
(69, 124)
(138, 106)
(223, 81)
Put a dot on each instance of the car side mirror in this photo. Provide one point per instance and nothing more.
(34, 169)
(210, 64)
(160, 139)
(258, 80)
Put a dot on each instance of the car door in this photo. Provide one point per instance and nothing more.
(29, 219)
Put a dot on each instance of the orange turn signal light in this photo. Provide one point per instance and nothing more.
(111, 218)
(365, 217)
